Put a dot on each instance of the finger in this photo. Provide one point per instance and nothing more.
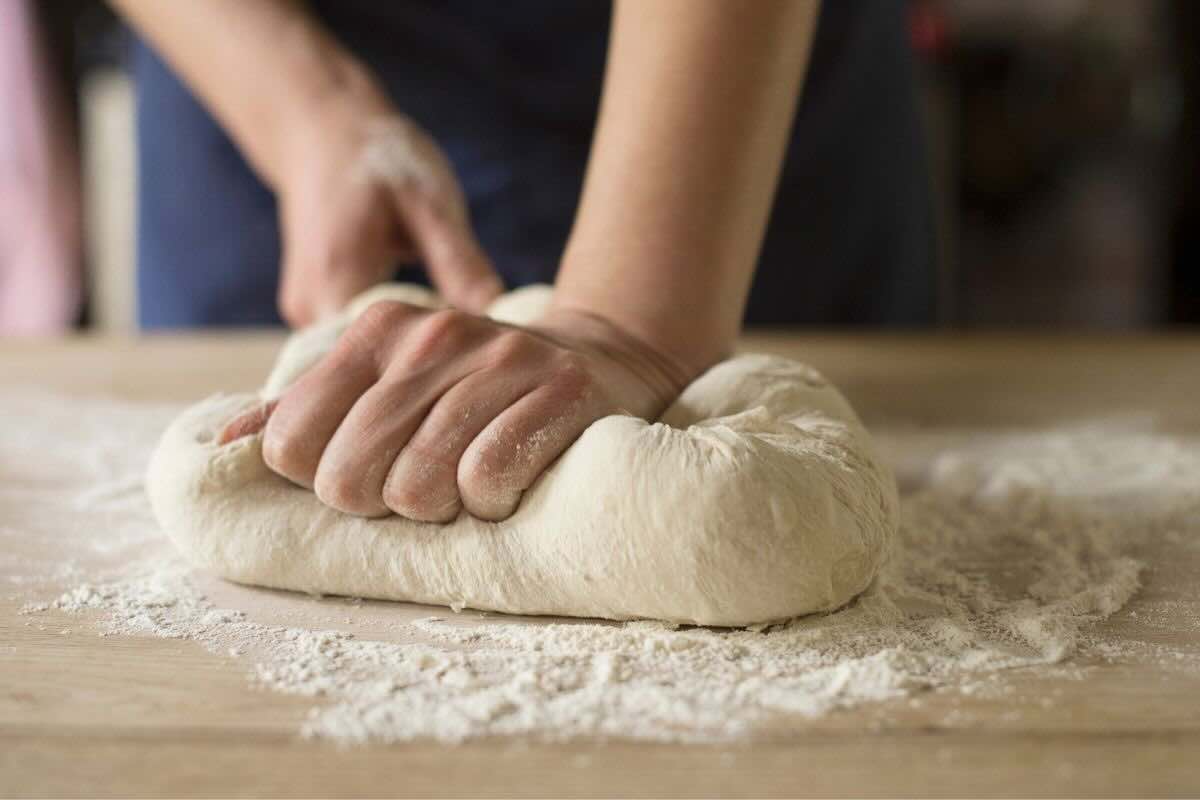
(309, 413)
(423, 481)
(457, 264)
(247, 423)
(433, 353)
(515, 448)
(355, 463)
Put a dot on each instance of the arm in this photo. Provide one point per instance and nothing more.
(360, 186)
(698, 102)
(264, 69)
(426, 414)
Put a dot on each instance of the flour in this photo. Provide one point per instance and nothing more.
(756, 497)
(398, 153)
(1010, 552)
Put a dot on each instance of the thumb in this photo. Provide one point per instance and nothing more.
(459, 269)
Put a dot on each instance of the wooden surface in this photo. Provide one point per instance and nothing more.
(126, 716)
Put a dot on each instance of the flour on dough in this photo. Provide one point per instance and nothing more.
(757, 496)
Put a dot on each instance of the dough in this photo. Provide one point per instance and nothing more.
(757, 497)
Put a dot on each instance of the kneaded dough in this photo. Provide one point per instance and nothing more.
(756, 497)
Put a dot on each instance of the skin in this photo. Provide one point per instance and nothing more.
(426, 413)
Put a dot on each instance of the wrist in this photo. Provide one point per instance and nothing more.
(686, 339)
(654, 369)
(676, 365)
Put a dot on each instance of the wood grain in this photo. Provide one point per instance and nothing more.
(129, 716)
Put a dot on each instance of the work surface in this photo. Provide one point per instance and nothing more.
(124, 715)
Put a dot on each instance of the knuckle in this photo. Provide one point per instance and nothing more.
(437, 331)
(427, 493)
(381, 317)
(511, 347)
(572, 379)
(447, 322)
(369, 335)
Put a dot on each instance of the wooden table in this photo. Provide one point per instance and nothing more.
(142, 716)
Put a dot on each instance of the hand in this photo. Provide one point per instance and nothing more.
(364, 189)
(426, 412)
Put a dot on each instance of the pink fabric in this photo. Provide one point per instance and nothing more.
(40, 240)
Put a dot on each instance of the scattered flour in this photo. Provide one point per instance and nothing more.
(1012, 547)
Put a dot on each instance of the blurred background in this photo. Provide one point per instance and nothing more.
(1062, 135)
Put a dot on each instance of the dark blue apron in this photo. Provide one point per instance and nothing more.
(510, 91)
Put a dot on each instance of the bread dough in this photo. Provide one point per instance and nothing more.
(756, 497)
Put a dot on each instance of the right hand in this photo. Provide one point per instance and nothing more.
(365, 188)
(426, 413)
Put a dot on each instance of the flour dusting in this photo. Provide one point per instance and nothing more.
(1012, 548)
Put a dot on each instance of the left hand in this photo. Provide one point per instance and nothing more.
(364, 188)
(426, 412)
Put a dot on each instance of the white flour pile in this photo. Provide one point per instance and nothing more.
(1011, 551)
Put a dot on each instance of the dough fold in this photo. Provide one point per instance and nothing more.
(755, 498)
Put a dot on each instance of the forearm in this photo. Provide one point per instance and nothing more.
(265, 68)
(698, 101)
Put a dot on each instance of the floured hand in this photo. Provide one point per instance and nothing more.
(426, 412)
(364, 190)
